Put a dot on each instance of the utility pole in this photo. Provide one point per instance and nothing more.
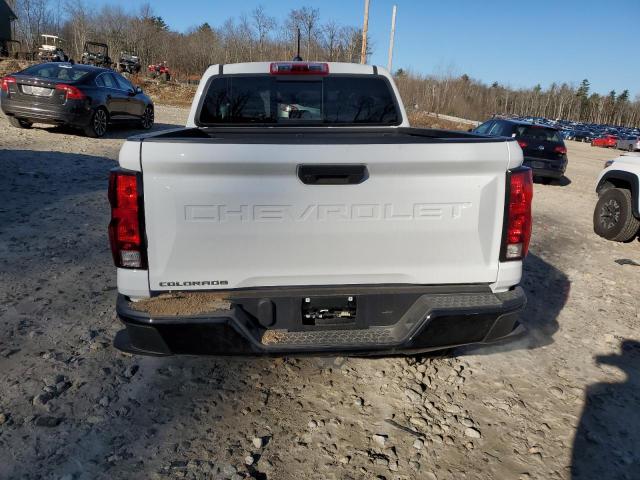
(365, 28)
(393, 34)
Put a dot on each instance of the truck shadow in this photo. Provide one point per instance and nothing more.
(547, 290)
(607, 442)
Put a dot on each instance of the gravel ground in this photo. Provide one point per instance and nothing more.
(559, 402)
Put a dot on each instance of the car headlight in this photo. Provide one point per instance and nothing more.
(608, 163)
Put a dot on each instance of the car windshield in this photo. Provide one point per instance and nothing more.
(57, 71)
(267, 99)
(538, 133)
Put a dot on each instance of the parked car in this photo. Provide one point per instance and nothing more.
(617, 213)
(629, 143)
(582, 136)
(543, 147)
(342, 231)
(81, 96)
(607, 141)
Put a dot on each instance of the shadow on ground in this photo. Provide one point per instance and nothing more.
(607, 443)
(121, 131)
(547, 290)
(557, 182)
(40, 191)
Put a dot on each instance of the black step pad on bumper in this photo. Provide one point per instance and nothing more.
(422, 318)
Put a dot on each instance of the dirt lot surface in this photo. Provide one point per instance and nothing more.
(560, 402)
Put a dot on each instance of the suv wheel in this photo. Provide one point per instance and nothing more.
(147, 118)
(98, 125)
(613, 217)
(16, 122)
(631, 149)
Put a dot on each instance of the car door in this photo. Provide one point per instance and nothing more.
(135, 105)
(115, 99)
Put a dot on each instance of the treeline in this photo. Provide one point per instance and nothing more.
(256, 36)
(465, 97)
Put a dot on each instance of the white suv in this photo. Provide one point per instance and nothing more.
(617, 213)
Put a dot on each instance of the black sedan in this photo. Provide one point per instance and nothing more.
(542, 146)
(81, 96)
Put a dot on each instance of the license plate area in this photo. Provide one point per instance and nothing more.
(329, 310)
(37, 91)
(535, 164)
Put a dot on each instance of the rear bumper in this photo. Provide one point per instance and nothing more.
(546, 168)
(72, 113)
(424, 319)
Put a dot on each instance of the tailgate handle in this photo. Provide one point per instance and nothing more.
(332, 174)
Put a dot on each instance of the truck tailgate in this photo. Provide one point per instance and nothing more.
(231, 215)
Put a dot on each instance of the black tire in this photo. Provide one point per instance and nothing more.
(98, 125)
(146, 122)
(613, 216)
(18, 123)
(631, 149)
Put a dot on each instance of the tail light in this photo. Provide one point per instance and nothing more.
(560, 149)
(4, 86)
(299, 68)
(126, 226)
(522, 144)
(72, 93)
(517, 226)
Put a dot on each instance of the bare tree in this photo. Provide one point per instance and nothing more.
(264, 24)
(305, 18)
(35, 17)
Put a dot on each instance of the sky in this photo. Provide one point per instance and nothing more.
(515, 43)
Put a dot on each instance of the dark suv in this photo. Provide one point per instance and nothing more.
(543, 147)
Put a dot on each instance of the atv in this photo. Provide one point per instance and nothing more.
(160, 70)
(96, 54)
(129, 63)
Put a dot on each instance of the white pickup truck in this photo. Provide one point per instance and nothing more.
(298, 212)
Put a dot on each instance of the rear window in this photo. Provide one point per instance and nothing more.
(538, 133)
(61, 71)
(267, 99)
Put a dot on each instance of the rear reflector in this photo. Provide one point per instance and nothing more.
(72, 93)
(125, 228)
(517, 228)
(299, 68)
(4, 86)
